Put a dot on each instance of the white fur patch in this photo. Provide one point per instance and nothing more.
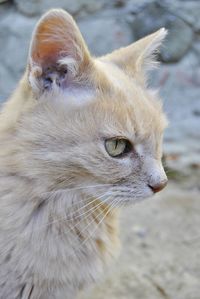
(139, 149)
(70, 63)
(78, 96)
(71, 96)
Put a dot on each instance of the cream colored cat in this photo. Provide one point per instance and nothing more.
(79, 137)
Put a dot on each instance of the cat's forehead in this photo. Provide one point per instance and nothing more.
(112, 104)
(129, 104)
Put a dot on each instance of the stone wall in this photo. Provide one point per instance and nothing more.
(107, 25)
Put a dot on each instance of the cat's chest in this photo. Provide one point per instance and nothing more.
(80, 248)
(64, 255)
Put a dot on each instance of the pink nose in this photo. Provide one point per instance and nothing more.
(158, 187)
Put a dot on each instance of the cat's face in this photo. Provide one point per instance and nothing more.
(124, 146)
(96, 126)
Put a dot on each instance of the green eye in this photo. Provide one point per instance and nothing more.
(117, 147)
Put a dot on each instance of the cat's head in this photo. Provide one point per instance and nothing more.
(95, 123)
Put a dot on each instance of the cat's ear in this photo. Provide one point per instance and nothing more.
(140, 56)
(58, 53)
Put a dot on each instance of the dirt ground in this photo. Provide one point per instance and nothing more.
(160, 257)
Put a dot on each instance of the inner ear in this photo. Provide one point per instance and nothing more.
(54, 74)
(58, 52)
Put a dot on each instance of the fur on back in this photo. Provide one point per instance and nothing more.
(60, 191)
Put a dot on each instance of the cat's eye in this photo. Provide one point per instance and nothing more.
(117, 147)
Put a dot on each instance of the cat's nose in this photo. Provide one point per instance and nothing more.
(158, 186)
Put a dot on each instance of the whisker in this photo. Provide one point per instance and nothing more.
(85, 228)
(83, 207)
(77, 188)
(96, 208)
(44, 226)
(93, 219)
(78, 203)
(113, 204)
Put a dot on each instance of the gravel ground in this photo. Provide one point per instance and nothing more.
(160, 256)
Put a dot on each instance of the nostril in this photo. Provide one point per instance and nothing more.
(158, 187)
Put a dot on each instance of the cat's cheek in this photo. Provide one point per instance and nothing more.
(140, 194)
(127, 166)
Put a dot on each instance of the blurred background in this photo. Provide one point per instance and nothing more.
(161, 238)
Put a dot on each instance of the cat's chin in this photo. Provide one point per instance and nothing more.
(135, 200)
(129, 201)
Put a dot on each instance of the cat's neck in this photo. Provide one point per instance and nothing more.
(68, 212)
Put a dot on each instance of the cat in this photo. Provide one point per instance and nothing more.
(79, 138)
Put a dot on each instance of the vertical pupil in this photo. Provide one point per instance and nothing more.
(118, 147)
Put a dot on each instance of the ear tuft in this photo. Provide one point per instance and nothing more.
(152, 44)
(70, 63)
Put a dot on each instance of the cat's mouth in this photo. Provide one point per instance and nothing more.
(127, 196)
(120, 195)
(119, 199)
(132, 195)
